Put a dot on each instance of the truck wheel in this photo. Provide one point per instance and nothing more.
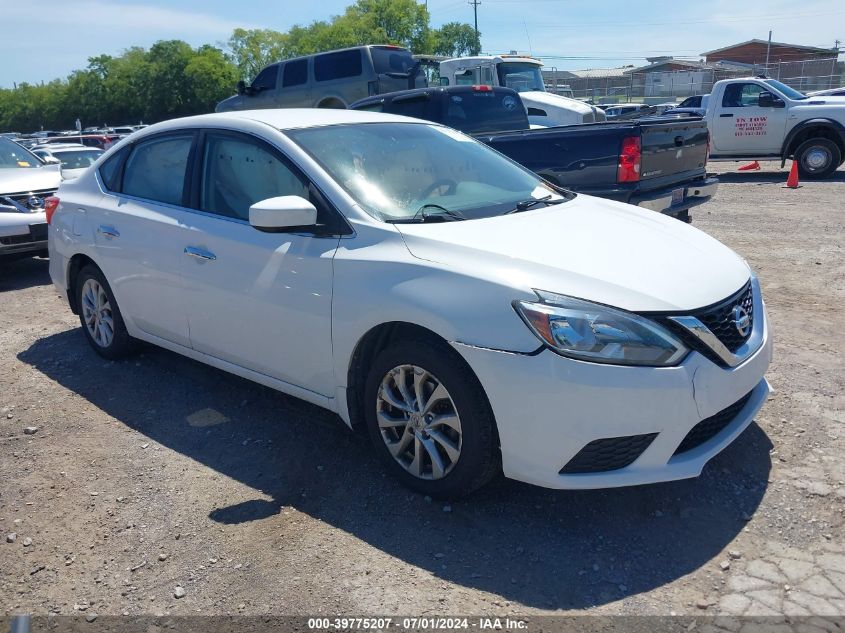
(817, 158)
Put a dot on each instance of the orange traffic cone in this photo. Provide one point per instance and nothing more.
(755, 166)
(792, 181)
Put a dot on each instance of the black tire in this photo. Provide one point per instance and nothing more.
(817, 147)
(479, 460)
(121, 345)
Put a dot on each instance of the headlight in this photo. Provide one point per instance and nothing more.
(588, 331)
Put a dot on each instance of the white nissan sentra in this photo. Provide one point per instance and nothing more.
(472, 317)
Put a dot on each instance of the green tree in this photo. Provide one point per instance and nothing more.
(252, 49)
(456, 39)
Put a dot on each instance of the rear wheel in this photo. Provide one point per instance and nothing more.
(100, 316)
(430, 420)
(817, 158)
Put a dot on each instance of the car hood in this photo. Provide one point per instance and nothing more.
(537, 97)
(590, 248)
(26, 180)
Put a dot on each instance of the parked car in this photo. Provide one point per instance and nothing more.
(760, 118)
(414, 281)
(328, 80)
(73, 158)
(25, 185)
(101, 141)
(657, 164)
(629, 111)
(524, 75)
(830, 92)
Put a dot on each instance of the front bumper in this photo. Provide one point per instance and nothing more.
(695, 193)
(548, 408)
(23, 240)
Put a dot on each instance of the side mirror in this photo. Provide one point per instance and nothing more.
(768, 100)
(282, 214)
(51, 160)
(241, 87)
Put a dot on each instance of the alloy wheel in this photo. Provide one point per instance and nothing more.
(97, 313)
(419, 422)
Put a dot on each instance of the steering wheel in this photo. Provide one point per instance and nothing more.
(443, 182)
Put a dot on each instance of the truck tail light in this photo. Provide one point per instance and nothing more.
(482, 88)
(372, 88)
(707, 153)
(630, 157)
(50, 205)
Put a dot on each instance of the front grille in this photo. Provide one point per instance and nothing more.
(610, 453)
(719, 319)
(22, 198)
(710, 427)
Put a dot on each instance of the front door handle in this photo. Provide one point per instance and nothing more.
(108, 231)
(726, 115)
(200, 253)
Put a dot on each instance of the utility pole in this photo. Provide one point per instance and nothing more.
(475, 4)
(768, 48)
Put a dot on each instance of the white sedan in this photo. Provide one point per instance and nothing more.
(472, 317)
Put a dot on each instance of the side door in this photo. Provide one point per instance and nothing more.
(264, 89)
(296, 89)
(259, 300)
(742, 126)
(138, 235)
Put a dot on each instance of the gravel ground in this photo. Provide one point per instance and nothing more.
(162, 486)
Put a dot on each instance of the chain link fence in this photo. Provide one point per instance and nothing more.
(620, 85)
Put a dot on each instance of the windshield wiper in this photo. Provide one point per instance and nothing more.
(421, 216)
(524, 205)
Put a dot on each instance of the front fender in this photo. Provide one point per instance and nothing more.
(381, 282)
(822, 122)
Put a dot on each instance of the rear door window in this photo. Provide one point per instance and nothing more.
(155, 170)
(295, 73)
(338, 65)
(391, 60)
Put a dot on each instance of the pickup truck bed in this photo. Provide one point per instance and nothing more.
(667, 157)
(585, 158)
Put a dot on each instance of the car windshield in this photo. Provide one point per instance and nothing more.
(521, 76)
(791, 93)
(78, 158)
(397, 171)
(13, 156)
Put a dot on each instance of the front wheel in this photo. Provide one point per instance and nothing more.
(429, 419)
(817, 158)
(100, 317)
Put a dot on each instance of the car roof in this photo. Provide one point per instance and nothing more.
(284, 118)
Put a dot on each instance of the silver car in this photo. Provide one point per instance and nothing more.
(26, 187)
(328, 80)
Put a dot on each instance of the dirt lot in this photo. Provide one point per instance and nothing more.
(157, 473)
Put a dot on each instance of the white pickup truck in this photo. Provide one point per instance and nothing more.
(760, 118)
(522, 74)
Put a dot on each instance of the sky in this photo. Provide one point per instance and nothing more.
(47, 39)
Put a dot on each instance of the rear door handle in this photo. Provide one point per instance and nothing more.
(108, 231)
(726, 115)
(200, 253)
